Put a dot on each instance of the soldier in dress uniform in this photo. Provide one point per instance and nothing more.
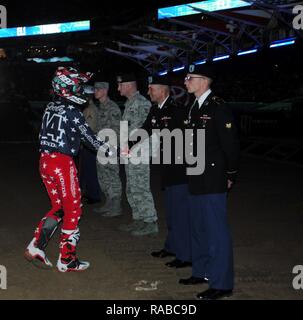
(138, 189)
(108, 117)
(212, 254)
(168, 114)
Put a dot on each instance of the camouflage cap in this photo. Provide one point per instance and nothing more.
(129, 77)
(101, 85)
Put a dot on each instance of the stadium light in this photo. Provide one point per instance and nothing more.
(200, 62)
(221, 58)
(242, 53)
(178, 69)
(162, 73)
(281, 43)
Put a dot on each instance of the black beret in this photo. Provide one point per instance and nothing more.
(162, 80)
(202, 69)
(127, 77)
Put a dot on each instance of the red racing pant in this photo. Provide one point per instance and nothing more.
(59, 175)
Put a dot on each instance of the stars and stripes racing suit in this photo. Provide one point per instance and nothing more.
(62, 130)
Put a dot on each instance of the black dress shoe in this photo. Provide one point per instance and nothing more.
(162, 254)
(178, 264)
(192, 281)
(214, 294)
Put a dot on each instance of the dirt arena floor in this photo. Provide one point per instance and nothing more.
(265, 213)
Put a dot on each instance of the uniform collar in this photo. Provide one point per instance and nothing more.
(160, 106)
(202, 98)
(133, 97)
(103, 103)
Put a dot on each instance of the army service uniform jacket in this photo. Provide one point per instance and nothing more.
(171, 116)
(221, 146)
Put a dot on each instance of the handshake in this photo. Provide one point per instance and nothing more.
(111, 151)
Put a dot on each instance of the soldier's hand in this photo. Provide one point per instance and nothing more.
(229, 184)
(109, 150)
(125, 152)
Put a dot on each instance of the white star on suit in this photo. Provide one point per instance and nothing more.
(76, 120)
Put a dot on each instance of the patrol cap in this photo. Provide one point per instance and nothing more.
(101, 85)
(202, 69)
(127, 77)
(160, 80)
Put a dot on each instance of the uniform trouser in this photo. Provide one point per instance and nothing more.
(109, 180)
(178, 240)
(138, 192)
(212, 254)
(59, 175)
(88, 174)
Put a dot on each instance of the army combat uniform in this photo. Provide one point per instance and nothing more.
(109, 117)
(138, 190)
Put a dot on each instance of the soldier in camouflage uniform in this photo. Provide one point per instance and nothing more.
(138, 190)
(108, 117)
(87, 158)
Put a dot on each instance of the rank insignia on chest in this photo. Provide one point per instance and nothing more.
(205, 117)
(228, 125)
(153, 121)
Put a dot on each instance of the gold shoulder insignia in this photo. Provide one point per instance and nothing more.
(218, 100)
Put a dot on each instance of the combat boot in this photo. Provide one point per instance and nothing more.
(145, 229)
(131, 226)
(115, 209)
(106, 207)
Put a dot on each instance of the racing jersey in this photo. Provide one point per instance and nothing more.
(64, 127)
